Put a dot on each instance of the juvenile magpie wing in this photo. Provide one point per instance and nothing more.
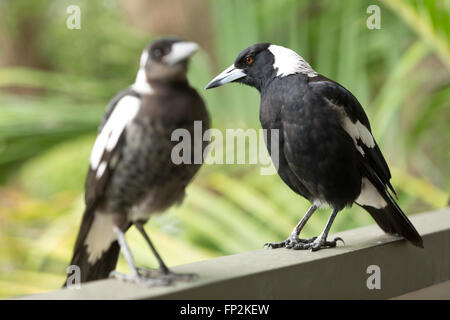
(113, 103)
(106, 151)
(99, 174)
(356, 124)
(104, 157)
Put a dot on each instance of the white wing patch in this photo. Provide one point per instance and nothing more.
(100, 236)
(125, 110)
(141, 84)
(288, 62)
(357, 130)
(370, 196)
(101, 169)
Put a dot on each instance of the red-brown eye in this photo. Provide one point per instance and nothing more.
(249, 60)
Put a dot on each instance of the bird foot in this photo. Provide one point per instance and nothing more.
(315, 243)
(142, 280)
(166, 274)
(321, 243)
(289, 242)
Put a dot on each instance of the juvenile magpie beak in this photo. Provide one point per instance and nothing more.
(230, 74)
(327, 152)
(180, 51)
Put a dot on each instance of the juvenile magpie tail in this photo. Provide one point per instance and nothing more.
(103, 265)
(392, 220)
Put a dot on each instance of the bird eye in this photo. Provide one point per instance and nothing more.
(157, 52)
(249, 60)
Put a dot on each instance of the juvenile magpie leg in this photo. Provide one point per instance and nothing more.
(321, 241)
(134, 275)
(163, 272)
(293, 239)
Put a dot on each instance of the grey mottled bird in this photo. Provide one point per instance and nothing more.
(131, 173)
(327, 152)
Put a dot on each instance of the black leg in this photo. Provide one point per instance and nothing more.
(134, 276)
(293, 238)
(162, 265)
(163, 269)
(330, 221)
(321, 241)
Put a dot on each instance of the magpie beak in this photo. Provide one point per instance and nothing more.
(228, 75)
(181, 51)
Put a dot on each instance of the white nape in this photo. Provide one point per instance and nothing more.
(144, 58)
(141, 84)
(124, 111)
(370, 196)
(100, 236)
(288, 62)
(357, 130)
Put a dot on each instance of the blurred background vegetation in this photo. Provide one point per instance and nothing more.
(56, 82)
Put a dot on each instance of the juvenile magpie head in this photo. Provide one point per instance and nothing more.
(260, 63)
(165, 60)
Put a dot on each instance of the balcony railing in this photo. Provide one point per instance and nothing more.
(371, 265)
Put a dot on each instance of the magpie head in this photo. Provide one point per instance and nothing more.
(166, 59)
(260, 63)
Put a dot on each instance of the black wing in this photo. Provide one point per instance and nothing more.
(341, 97)
(95, 186)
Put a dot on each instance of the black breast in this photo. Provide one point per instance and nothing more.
(317, 157)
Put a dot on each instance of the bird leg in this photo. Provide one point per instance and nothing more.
(321, 241)
(163, 271)
(134, 275)
(293, 239)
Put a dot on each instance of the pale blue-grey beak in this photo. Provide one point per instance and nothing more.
(180, 51)
(228, 75)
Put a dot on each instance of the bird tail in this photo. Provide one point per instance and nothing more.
(104, 265)
(394, 221)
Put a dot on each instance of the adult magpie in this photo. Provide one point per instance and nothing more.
(131, 173)
(327, 152)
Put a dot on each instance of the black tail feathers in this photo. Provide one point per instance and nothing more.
(392, 220)
(103, 266)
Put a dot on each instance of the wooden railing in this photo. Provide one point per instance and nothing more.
(371, 265)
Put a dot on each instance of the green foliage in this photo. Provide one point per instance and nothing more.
(399, 73)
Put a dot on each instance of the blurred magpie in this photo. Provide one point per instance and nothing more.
(327, 152)
(131, 173)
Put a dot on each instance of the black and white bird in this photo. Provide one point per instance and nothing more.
(131, 173)
(327, 152)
